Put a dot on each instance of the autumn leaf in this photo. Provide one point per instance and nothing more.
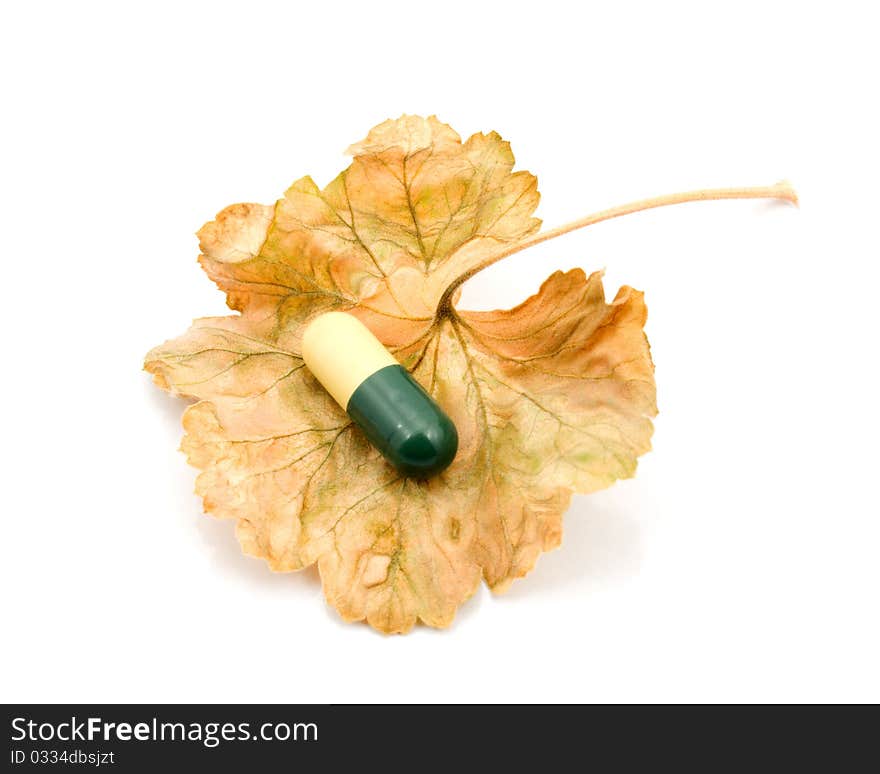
(552, 397)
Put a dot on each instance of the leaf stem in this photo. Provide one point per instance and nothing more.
(782, 190)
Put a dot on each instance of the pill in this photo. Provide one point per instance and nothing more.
(395, 412)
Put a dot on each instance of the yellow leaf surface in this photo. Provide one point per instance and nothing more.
(550, 398)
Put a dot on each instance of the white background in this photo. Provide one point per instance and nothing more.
(742, 562)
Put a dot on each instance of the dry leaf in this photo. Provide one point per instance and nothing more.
(552, 397)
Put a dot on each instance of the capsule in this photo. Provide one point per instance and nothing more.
(396, 414)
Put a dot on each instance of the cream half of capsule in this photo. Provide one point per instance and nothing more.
(396, 414)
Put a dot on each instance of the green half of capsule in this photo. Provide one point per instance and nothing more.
(403, 422)
(396, 414)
